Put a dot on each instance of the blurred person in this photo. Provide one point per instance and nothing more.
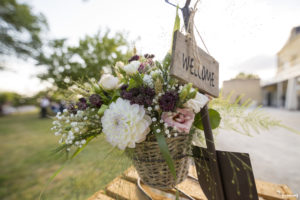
(44, 105)
(55, 107)
(62, 106)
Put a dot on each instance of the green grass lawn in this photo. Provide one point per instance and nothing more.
(27, 162)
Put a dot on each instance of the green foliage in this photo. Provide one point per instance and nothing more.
(214, 119)
(135, 81)
(176, 27)
(15, 99)
(164, 149)
(242, 75)
(66, 64)
(20, 29)
(242, 119)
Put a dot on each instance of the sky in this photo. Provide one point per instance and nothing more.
(242, 35)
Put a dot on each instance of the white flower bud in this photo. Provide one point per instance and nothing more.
(132, 67)
(108, 82)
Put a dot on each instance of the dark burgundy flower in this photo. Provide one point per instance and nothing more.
(135, 57)
(124, 87)
(141, 68)
(142, 96)
(81, 104)
(168, 101)
(95, 100)
(149, 56)
(71, 108)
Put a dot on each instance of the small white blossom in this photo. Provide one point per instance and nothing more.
(156, 107)
(161, 121)
(154, 119)
(76, 129)
(175, 134)
(157, 130)
(85, 118)
(149, 108)
(169, 136)
(167, 131)
(83, 141)
(65, 110)
(74, 124)
(68, 149)
(148, 80)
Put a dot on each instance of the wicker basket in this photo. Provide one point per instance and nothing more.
(151, 166)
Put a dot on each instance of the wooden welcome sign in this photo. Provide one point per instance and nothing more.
(222, 175)
(191, 64)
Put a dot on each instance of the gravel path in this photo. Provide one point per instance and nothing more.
(275, 154)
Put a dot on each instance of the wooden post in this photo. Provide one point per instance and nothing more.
(209, 138)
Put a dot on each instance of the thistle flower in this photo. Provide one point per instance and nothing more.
(167, 102)
(82, 105)
(95, 100)
(142, 96)
(71, 108)
(135, 57)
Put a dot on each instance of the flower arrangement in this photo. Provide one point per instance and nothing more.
(130, 105)
(137, 102)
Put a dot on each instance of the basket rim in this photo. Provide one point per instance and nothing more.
(161, 160)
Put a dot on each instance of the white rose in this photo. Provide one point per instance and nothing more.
(197, 103)
(108, 82)
(132, 67)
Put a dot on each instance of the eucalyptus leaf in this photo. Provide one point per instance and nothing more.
(214, 119)
(102, 109)
(165, 152)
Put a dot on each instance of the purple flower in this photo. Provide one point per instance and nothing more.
(135, 57)
(81, 104)
(168, 101)
(149, 55)
(141, 68)
(71, 108)
(95, 100)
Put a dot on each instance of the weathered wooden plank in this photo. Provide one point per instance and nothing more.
(124, 190)
(271, 191)
(191, 64)
(100, 196)
(192, 188)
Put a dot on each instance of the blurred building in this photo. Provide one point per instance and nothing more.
(243, 88)
(284, 89)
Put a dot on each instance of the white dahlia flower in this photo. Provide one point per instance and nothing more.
(125, 124)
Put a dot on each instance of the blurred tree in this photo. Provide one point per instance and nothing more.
(65, 64)
(20, 29)
(243, 75)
